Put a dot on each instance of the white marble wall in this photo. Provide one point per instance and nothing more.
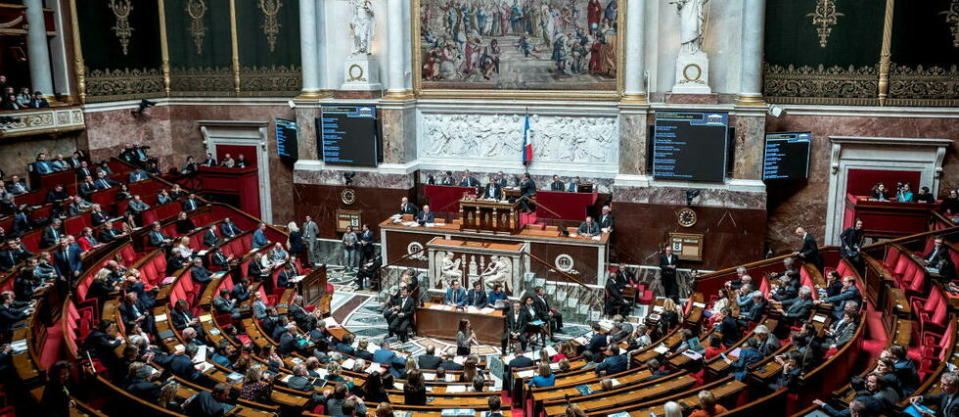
(584, 141)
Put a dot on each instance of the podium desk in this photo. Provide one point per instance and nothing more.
(583, 258)
(442, 321)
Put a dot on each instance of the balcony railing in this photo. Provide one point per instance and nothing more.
(41, 121)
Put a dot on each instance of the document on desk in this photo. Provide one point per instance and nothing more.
(455, 389)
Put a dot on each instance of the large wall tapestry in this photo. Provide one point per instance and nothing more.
(925, 54)
(823, 51)
(201, 47)
(121, 49)
(510, 47)
(270, 46)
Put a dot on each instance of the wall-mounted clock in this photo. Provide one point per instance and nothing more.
(686, 217)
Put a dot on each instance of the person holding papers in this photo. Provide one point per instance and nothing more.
(596, 343)
(455, 295)
(497, 295)
(425, 216)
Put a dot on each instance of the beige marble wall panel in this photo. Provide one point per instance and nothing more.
(633, 141)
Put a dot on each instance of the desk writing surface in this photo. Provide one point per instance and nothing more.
(435, 320)
(627, 396)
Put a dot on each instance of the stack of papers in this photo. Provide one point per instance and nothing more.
(529, 373)
(19, 346)
(615, 382)
(348, 364)
(453, 412)
(661, 349)
(692, 354)
(331, 322)
(455, 389)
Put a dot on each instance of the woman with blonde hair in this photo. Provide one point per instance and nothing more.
(469, 370)
(167, 398)
(254, 386)
(573, 410)
(294, 241)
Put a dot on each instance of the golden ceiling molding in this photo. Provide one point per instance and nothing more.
(824, 18)
(952, 18)
(121, 11)
(196, 9)
(271, 25)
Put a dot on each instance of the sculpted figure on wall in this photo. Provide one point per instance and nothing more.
(362, 27)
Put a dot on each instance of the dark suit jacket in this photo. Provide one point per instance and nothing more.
(613, 364)
(426, 217)
(200, 274)
(517, 325)
(606, 221)
(182, 366)
(409, 208)
(476, 298)
(493, 190)
(940, 401)
(810, 251)
(556, 186)
(50, 237)
(204, 405)
(67, 263)
(729, 327)
(597, 343)
(210, 238)
(229, 229)
(429, 361)
(180, 318)
(664, 262)
(799, 309)
(591, 228)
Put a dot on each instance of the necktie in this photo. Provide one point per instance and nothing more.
(56, 235)
(454, 296)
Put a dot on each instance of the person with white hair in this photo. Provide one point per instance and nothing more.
(799, 309)
(769, 343)
(673, 409)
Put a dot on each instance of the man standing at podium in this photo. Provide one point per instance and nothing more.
(589, 228)
(406, 207)
(426, 216)
(493, 191)
(667, 273)
(455, 295)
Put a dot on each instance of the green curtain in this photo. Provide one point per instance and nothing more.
(269, 46)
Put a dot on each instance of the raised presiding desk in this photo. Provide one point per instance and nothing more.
(581, 257)
(442, 321)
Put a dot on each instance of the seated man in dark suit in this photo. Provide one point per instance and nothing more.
(939, 261)
(573, 186)
(757, 307)
(492, 190)
(455, 295)
(849, 292)
(476, 296)
(425, 216)
(729, 327)
(589, 228)
(181, 364)
(209, 403)
(800, 307)
(614, 361)
(210, 238)
(429, 360)
(157, 238)
(520, 361)
(948, 398)
(515, 324)
(52, 234)
(597, 342)
(224, 303)
(12, 255)
(556, 185)
(469, 180)
(181, 317)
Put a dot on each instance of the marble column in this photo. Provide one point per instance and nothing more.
(38, 50)
(396, 72)
(751, 83)
(635, 83)
(750, 140)
(308, 49)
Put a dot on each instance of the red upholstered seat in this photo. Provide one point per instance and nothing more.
(891, 258)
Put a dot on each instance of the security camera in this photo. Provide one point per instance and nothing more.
(141, 108)
(776, 111)
(291, 104)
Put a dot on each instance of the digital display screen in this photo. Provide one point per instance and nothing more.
(286, 139)
(690, 146)
(786, 156)
(348, 135)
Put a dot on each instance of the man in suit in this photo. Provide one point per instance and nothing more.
(88, 187)
(406, 207)
(37, 101)
(209, 403)
(181, 318)
(606, 220)
(210, 238)
(52, 234)
(426, 216)
(938, 259)
(21, 222)
(98, 216)
(84, 171)
(224, 303)
(852, 240)
(573, 186)
(200, 274)
(259, 237)
(429, 360)
(810, 251)
(133, 311)
(800, 308)
(614, 302)
(285, 278)
(455, 294)
(228, 229)
(191, 203)
(404, 315)
(597, 342)
(556, 185)
(614, 362)
(67, 261)
(41, 165)
(210, 161)
(493, 191)
(137, 175)
(729, 328)
(181, 364)
(748, 355)
(137, 205)
(755, 309)
(385, 356)
(948, 398)
(514, 325)
(448, 179)
(12, 255)
(476, 296)
(469, 180)
(549, 314)
(157, 238)
(16, 187)
(589, 228)
(259, 306)
(103, 182)
(667, 272)
(849, 292)
(288, 341)
(311, 232)
(366, 243)
(110, 232)
(519, 361)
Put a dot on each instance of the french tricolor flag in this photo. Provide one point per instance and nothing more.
(527, 143)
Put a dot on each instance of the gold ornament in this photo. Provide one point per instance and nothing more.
(952, 18)
(121, 10)
(197, 9)
(271, 25)
(824, 18)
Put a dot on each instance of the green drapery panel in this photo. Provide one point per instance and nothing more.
(269, 46)
(201, 48)
(925, 54)
(120, 40)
